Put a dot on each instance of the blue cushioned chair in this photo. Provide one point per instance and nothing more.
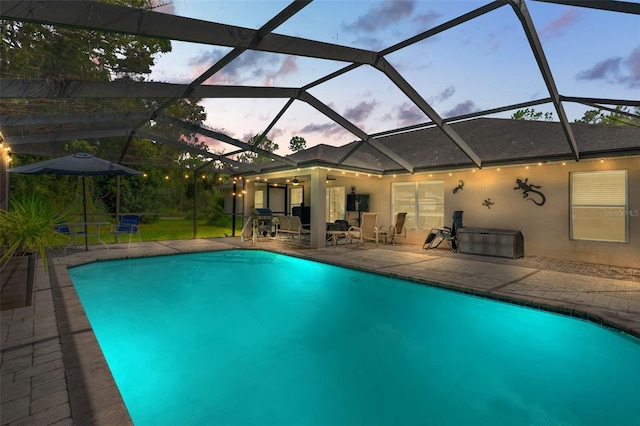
(128, 226)
(63, 228)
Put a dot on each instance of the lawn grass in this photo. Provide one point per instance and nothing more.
(172, 229)
(181, 229)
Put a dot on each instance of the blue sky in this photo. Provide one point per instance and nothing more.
(482, 64)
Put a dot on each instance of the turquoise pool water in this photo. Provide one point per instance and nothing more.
(257, 338)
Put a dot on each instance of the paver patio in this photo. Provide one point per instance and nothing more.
(53, 371)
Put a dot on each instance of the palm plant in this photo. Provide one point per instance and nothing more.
(28, 227)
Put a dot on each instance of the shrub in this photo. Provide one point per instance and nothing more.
(28, 227)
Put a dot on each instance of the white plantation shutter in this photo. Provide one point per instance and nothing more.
(607, 188)
(599, 206)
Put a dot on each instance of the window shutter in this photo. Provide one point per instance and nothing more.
(606, 188)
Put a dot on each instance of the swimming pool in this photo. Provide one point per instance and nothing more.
(252, 337)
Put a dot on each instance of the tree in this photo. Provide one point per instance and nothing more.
(46, 51)
(36, 51)
(621, 116)
(253, 157)
(297, 143)
(532, 114)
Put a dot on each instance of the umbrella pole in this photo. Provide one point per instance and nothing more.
(84, 207)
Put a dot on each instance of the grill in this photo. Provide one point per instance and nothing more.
(262, 214)
(262, 221)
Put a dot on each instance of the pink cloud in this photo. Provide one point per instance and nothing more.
(213, 144)
(249, 66)
(288, 66)
(556, 27)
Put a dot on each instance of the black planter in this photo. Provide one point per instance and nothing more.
(17, 279)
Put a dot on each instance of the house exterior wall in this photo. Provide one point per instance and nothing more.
(545, 228)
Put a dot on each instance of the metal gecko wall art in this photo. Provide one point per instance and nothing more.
(527, 188)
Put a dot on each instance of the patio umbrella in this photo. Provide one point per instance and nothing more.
(79, 164)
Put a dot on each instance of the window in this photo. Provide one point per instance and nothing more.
(296, 195)
(336, 199)
(599, 206)
(423, 202)
(259, 199)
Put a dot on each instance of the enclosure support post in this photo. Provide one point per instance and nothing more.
(195, 205)
(233, 211)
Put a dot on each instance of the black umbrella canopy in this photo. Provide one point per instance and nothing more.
(79, 164)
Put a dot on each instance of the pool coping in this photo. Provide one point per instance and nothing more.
(93, 393)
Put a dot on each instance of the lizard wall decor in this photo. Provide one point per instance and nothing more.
(527, 188)
(459, 187)
(488, 203)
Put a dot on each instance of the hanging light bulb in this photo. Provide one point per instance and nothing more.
(295, 181)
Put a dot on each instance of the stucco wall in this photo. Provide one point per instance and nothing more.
(545, 228)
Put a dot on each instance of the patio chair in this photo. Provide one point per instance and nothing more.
(129, 225)
(392, 232)
(297, 229)
(65, 229)
(367, 231)
(284, 227)
(448, 234)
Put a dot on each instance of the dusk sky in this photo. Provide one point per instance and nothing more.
(482, 64)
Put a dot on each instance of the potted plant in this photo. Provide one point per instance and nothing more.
(27, 230)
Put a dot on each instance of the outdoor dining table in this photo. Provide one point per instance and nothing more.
(92, 230)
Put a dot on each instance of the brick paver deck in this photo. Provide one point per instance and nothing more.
(53, 372)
